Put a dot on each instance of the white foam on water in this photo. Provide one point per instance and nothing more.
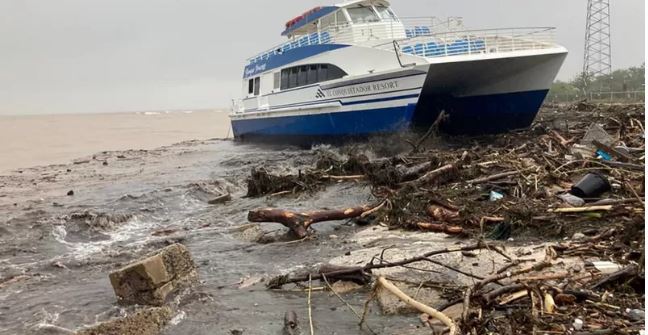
(178, 318)
(151, 113)
(133, 230)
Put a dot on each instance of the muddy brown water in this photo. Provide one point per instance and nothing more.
(56, 250)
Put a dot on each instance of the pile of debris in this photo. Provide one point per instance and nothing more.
(576, 178)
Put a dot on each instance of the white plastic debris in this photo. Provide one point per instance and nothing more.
(578, 324)
(606, 267)
(495, 196)
(572, 199)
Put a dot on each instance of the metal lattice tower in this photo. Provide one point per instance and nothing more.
(598, 47)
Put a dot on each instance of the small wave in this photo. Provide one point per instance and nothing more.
(135, 232)
(151, 113)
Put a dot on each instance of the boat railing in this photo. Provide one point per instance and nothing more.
(470, 42)
(426, 37)
(365, 33)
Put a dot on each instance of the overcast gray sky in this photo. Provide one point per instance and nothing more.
(83, 56)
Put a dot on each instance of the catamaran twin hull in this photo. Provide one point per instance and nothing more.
(485, 94)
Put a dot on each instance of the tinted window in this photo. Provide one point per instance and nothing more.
(292, 82)
(250, 86)
(284, 79)
(309, 74)
(302, 80)
(277, 80)
(312, 75)
(322, 73)
(257, 85)
(335, 73)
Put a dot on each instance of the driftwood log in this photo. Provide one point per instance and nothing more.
(440, 228)
(299, 222)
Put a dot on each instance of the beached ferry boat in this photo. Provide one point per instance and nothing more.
(356, 69)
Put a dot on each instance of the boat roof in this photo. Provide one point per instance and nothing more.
(317, 13)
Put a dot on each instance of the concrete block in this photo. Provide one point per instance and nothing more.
(150, 280)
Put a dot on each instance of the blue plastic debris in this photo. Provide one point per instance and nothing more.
(603, 155)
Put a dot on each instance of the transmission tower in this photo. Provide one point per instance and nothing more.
(598, 48)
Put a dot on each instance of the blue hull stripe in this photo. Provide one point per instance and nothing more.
(409, 96)
(355, 123)
(467, 115)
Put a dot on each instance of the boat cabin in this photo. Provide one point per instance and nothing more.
(353, 22)
(358, 22)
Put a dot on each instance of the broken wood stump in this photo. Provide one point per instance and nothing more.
(299, 222)
(150, 280)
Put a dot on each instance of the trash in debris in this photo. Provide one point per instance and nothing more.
(582, 151)
(606, 267)
(596, 133)
(578, 324)
(636, 314)
(572, 199)
(591, 186)
(600, 154)
(495, 196)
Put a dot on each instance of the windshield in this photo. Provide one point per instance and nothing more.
(385, 13)
(362, 14)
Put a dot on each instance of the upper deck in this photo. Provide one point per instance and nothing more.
(372, 23)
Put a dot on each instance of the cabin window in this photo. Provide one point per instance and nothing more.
(386, 13)
(257, 85)
(312, 75)
(277, 80)
(340, 18)
(302, 79)
(309, 74)
(251, 86)
(284, 79)
(327, 21)
(292, 81)
(362, 14)
(335, 72)
(322, 72)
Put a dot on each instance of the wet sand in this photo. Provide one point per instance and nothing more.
(33, 140)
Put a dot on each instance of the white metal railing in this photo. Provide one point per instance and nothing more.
(423, 36)
(469, 42)
(364, 33)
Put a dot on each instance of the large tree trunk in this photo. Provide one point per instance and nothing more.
(298, 222)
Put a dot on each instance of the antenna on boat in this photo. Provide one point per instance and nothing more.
(598, 47)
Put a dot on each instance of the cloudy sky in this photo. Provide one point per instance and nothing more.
(85, 56)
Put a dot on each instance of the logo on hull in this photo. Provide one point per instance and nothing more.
(320, 94)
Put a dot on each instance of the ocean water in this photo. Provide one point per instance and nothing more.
(32, 140)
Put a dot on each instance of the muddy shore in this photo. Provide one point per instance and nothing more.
(65, 227)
